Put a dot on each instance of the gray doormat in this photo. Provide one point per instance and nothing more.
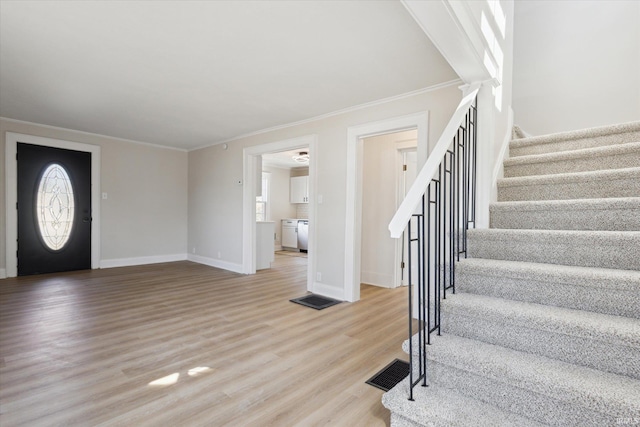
(315, 301)
(390, 375)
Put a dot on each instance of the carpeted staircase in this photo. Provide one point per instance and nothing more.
(545, 326)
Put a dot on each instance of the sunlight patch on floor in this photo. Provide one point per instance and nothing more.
(173, 378)
(166, 381)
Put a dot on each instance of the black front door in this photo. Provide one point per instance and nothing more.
(54, 209)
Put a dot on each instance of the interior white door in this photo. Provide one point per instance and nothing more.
(410, 160)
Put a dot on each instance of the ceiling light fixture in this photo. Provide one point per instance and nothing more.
(302, 157)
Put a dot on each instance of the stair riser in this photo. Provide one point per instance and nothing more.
(596, 188)
(516, 149)
(571, 219)
(588, 298)
(611, 356)
(443, 407)
(517, 399)
(590, 163)
(580, 251)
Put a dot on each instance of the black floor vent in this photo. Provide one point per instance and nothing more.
(391, 375)
(315, 301)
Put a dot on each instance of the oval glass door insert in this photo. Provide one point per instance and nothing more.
(55, 206)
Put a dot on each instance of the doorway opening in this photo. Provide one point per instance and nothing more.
(353, 229)
(388, 166)
(286, 184)
(280, 188)
(11, 171)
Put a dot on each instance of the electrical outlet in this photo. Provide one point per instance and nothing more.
(193, 250)
(318, 277)
(219, 254)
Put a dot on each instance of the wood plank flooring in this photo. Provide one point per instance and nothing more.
(183, 344)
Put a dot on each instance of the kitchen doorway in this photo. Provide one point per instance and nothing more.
(253, 169)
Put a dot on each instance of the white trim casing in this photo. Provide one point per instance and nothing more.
(11, 180)
(353, 227)
(503, 154)
(401, 149)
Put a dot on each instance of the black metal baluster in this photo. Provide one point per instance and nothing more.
(441, 238)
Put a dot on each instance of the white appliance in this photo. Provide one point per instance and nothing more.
(303, 234)
(290, 234)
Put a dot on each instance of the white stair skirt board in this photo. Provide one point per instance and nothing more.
(544, 329)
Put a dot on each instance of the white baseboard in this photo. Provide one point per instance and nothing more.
(212, 262)
(127, 262)
(3, 273)
(277, 248)
(377, 285)
(328, 291)
(377, 279)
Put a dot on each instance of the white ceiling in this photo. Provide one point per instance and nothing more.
(284, 159)
(188, 74)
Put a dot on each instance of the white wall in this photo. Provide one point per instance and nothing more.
(144, 218)
(280, 207)
(380, 173)
(576, 64)
(215, 198)
(476, 38)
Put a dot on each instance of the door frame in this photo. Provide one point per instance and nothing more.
(250, 166)
(11, 180)
(353, 226)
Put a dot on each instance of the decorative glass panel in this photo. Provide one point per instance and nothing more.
(55, 206)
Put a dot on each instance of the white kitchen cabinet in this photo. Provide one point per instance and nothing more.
(299, 189)
(290, 233)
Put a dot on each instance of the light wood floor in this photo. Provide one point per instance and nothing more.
(182, 344)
